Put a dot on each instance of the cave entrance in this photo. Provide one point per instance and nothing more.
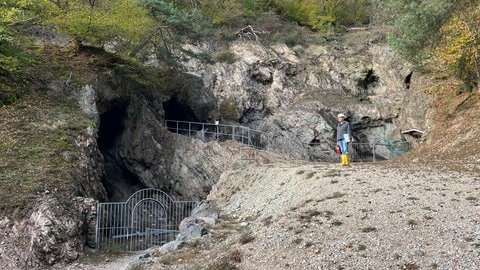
(178, 110)
(118, 181)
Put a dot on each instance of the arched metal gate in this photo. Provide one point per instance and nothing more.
(148, 218)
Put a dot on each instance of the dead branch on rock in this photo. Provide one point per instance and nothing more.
(249, 33)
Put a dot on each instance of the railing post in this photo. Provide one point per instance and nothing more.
(177, 128)
(233, 133)
(203, 132)
(243, 134)
(268, 141)
(373, 152)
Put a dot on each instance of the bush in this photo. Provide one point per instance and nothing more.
(225, 56)
(228, 110)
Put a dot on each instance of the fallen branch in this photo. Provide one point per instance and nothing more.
(249, 33)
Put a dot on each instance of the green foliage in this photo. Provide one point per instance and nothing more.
(220, 11)
(322, 15)
(225, 56)
(18, 12)
(185, 23)
(228, 110)
(318, 14)
(12, 59)
(417, 25)
(175, 27)
(446, 31)
(123, 22)
(13, 65)
(458, 52)
(353, 12)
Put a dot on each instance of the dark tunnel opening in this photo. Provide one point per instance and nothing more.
(177, 110)
(118, 181)
(111, 126)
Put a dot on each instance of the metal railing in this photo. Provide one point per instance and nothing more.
(359, 152)
(319, 151)
(148, 218)
(220, 132)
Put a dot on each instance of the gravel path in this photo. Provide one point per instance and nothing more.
(368, 216)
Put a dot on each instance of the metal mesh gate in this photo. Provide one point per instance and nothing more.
(148, 218)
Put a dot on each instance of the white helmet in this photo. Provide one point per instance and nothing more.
(341, 115)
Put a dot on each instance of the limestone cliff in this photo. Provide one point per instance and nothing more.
(297, 92)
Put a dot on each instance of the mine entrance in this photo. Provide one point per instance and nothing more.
(119, 182)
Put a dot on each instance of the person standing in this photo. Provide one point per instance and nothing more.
(344, 137)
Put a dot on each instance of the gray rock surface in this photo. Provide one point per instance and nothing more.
(190, 228)
(55, 232)
(297, 92)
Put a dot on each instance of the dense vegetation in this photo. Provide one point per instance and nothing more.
(438, 35)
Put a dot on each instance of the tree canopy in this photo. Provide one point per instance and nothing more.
(443, 34)
(438, 34)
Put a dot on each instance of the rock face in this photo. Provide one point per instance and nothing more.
(297, 92)
(140, 152)
(55, 232)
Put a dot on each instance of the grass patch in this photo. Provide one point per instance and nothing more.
(471, 198)
(412, 222)
(308, 215)
(361, 247)
(410, 266)
(223, 264)
(37, 142)
(225, 56)
(298, 230)
(297, 241)
(337, 223)
(368, 229)
(335, 195)
(332, 173)
(178, 257)
(308, 244)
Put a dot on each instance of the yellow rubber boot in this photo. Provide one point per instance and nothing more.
(347, 160)
(343, 160)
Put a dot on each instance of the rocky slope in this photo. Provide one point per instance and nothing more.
(285, 214)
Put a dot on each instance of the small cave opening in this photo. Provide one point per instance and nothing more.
(178, 110)
(111, 126)
(369, 82)
(118, 181)
(408, 80)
